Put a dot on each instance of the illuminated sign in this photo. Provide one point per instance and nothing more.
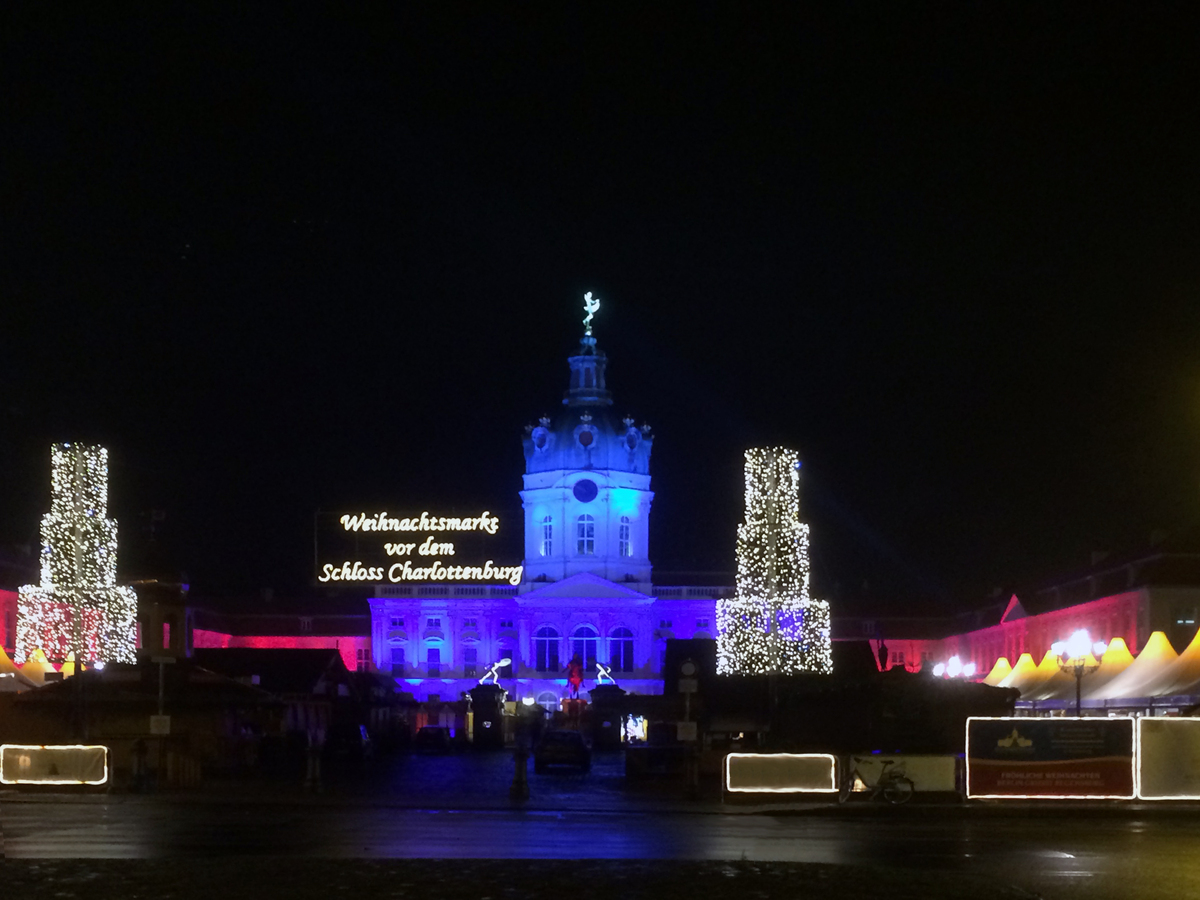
(377, 547)
(1061, 758)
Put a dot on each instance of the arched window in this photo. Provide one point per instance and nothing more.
(620, 650)
(545, 650)
(548, 701)
(624, 545)
(585, 535)
(547, 536)
(584, 643)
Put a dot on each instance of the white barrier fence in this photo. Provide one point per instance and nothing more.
(53, 764)
(781, 773)
(820, 773)
(927, 773)
(1150, 758)
(1168, 754)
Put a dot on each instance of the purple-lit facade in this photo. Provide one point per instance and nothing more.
(587, 584)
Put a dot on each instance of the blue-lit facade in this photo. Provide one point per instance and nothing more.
(587, 586)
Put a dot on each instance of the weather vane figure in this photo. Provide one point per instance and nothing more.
(590, 306)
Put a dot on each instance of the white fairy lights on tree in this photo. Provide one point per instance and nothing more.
(78, 605)
(772, 626)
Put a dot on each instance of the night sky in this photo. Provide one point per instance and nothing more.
(281, 264)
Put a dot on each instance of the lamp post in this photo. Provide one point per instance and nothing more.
(1078, 656)
(954, 668)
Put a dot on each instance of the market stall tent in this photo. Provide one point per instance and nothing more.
(999, 672)
(1144, 671)
(1116, 660)
(37, 666)
(1181, 676)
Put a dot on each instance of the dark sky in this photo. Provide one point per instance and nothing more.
(279, 264)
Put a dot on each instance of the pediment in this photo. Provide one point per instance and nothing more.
(582, 588)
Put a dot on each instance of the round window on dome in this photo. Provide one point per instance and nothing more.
(585, 438)
(585, 491)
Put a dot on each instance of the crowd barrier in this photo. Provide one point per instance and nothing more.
(1007, 758)
(780, 773)
(1168, 754)
(48, 764)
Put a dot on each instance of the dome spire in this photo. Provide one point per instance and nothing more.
(587, 366)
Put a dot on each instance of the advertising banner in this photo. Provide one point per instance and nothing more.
(1084, 758)
(1168, 758)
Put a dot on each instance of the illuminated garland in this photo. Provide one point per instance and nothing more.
(79, 568)
(772, 625)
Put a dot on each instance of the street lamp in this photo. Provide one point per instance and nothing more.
(1078, 656)
(954, 668)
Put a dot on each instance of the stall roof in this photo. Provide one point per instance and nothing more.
(1142, 673)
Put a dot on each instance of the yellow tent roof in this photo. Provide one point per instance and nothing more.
(6, 664)
(68, 666)
(999, 671)
(1029, 682)
(37, 666)
(1144, 671)
(1059, 685)
(1116, 660)
(1021, 672)
(1181, 675)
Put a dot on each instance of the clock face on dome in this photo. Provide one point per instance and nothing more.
(585, 491)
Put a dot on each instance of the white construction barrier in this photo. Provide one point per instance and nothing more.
(1168, 758)
(781, 773)
(53, 764)
(927, 773)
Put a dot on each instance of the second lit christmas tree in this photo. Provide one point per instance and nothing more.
(772, 626)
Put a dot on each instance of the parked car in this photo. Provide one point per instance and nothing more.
(562, 748)
(432, 739)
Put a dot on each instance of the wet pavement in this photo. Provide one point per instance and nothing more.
(458, 808)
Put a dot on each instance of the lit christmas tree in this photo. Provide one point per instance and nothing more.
(772, 626)
(78, 605)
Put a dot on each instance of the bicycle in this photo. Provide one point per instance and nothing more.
(893, 784)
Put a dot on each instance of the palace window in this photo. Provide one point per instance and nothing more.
(362, 659)
(433, 662)
(470, 660)
(584, 641)
(433, 623)
(397, 662)
(624, 545)
(397, 622)
(585, 535)
(620, 650)
(545, 650)
(506, 623)
(547, 536)
(468, 623)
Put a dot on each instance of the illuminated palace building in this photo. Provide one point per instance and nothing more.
(584, 590)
